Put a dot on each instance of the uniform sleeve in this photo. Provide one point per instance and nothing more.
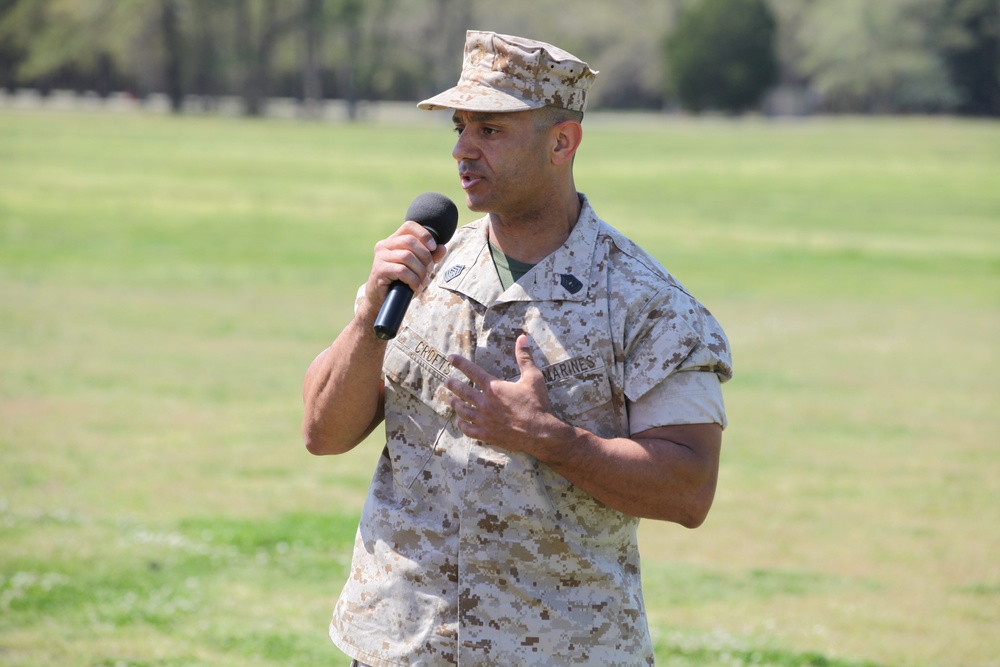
(357, 298)
(670, 334)
(688, 397)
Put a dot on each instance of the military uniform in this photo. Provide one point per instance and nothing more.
(471, 555)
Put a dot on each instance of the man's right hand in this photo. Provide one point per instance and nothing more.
(408, 255)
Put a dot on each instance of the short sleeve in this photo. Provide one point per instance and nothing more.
(358, 297)
(688, 397)
(670, 334)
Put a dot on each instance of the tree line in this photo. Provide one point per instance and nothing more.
(881, 56)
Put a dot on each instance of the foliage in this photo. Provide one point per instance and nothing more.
(970, 45)
(874, 56)
(721, 55)
(890, 55)
(89, 37)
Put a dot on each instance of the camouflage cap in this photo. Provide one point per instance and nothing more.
(504, 73)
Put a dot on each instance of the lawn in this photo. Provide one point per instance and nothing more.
(165, 282)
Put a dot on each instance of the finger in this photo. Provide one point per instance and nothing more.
(423, 245)
(386, 271)
(463, 410)
(416, 239)
(402, 246)
(465, 418)
(463, 392)
(471, 430)
(409, 267)
(419, 232)
(403, 258)
(479, 377)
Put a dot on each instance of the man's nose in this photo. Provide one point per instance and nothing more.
(464, 147)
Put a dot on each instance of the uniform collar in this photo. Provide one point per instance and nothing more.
(565, 275)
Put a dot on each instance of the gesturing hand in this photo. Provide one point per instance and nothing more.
(666, 472)
(514, 416)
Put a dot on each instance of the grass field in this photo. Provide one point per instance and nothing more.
(165, 282)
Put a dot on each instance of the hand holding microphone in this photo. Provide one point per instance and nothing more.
(439, 216)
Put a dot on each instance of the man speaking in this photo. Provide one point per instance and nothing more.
(549, 385)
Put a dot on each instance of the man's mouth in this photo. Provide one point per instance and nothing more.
(469, 179)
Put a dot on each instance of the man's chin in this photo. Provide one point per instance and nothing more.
(475, 205)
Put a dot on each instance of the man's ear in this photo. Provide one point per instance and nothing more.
(567, 136)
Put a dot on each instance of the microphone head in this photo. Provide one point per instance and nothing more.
(436, 213)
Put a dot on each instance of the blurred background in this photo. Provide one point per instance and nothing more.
(777, 56)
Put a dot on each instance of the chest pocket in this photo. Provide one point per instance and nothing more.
(417, 409)
(421, 369)
(578, 386)
(580, 394)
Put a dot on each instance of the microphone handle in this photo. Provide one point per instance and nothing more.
(390, 316)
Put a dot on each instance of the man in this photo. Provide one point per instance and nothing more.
(551, 384)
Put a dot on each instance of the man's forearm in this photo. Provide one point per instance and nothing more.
(658, 476)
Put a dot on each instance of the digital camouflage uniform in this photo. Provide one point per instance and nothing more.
(470, 555)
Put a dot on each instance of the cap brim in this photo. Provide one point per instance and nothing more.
(478, 98)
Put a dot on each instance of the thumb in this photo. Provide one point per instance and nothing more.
(522, 353)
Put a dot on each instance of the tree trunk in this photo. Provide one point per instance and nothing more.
(253, 64)
(312, 79)
(256, 48)
(205, 80)
(172, 54)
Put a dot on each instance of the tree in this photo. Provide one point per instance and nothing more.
(259, 26)
(206, 52)
(351, 15)
(874, 56)
(721, 55)
(312, 70)
(970, 46)
(172, 50)
(100, 45)
(56, 35)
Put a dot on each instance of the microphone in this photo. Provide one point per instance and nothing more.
(439, 216)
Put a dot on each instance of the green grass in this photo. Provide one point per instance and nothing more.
(165, 282)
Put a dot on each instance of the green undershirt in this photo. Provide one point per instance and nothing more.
(509, 269)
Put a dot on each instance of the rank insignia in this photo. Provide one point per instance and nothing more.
(453, 272)
(570, 282)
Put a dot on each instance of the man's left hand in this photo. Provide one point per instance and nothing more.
(515, 416)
